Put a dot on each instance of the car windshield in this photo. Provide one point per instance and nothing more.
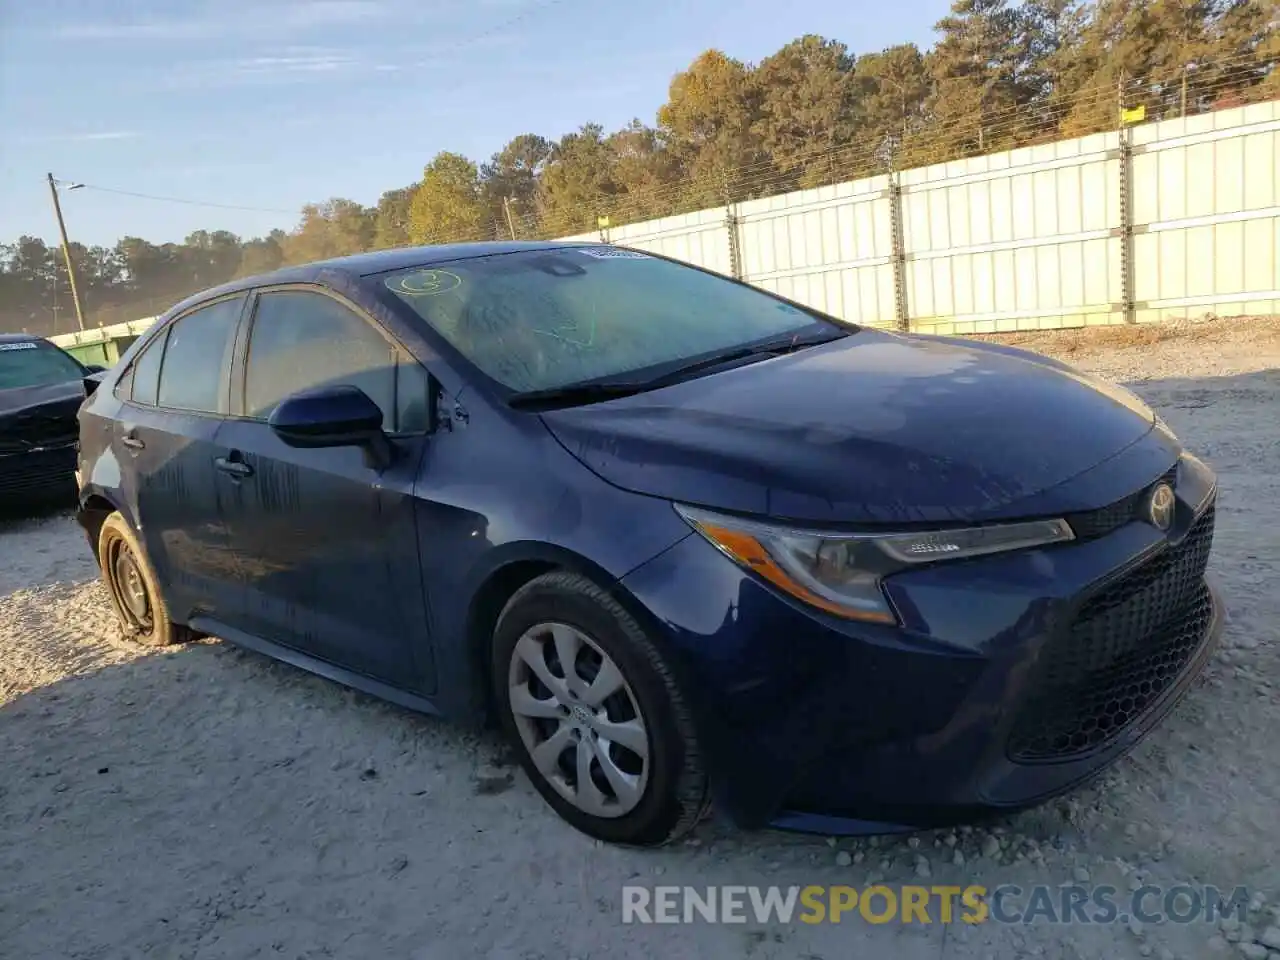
(543, 319)
(30, 363)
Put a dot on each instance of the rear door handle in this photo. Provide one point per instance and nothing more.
(132, 442)
(236, 468)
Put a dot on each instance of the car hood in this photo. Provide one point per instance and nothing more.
(54, 401)
(872, 428)
(47, 397)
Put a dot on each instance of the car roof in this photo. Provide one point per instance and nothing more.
(19, 338)
(378, 261)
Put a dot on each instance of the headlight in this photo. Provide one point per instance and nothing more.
(841, 572)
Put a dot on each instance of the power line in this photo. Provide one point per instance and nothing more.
(1001, 128)
(185, 201)
(483, 35)
(510, 22)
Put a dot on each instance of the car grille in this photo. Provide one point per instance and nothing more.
(20, 435)
(1126, 646)
(31, 475)
(1092, 524)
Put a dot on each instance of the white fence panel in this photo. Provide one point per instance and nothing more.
(1015, 240)
(830, 248)
(1206, 193)
(1025, 239)
(700, 238)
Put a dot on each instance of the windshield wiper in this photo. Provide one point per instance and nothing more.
(797, 342)
(575, 393)
(769, 348)
(609, 389)
(580, 393)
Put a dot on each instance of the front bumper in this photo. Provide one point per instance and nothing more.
(1013, 679)
(38, 475)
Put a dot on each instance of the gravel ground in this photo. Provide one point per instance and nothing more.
(209, 803)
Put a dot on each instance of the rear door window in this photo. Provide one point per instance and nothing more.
(197, 358)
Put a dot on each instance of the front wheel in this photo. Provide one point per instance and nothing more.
(132, 586)
(601, 726)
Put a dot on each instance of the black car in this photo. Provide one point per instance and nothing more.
(41, 388)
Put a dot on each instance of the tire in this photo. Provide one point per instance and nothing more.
(132, 586)
(662, 795)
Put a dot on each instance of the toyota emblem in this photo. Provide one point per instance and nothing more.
(1160, 506)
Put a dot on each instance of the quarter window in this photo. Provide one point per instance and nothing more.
(146, 371)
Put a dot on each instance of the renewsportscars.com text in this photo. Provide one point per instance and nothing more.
(909, 904)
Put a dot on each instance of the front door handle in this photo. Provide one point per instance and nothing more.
(236, 468)
(132, 442)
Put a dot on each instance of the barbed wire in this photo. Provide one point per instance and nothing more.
(182, 200)
(923, 140)
(1095, 109)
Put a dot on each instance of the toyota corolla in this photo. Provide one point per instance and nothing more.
(690, 543)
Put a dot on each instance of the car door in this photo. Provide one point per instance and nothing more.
(326, 541)
(173, 398)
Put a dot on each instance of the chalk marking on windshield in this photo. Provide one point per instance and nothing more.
(569, 340)
(562, 332)
(25, 345)
(427, 283)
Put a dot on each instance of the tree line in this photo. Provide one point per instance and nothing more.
(1000, 75)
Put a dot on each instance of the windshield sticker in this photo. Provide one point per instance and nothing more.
(426, 283)
(26, 345)
(613, 253)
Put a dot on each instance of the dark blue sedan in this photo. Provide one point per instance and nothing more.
(686, 540)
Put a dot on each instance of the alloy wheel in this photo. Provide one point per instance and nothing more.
(579, 719)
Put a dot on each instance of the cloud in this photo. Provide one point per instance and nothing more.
(325, 13)
(85, 137)
(315, 63)
(299, 63)
(272, 37)
(262, 19)
(205, 169)
(276, 66)
(105, 135)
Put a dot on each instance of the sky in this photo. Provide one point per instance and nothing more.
(270, 104)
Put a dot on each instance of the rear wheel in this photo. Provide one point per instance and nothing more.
(132, 586)
(599, 723)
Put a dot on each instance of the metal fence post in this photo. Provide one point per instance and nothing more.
(898, 258)
(731, 228)
(1128, 294)
(731, 224)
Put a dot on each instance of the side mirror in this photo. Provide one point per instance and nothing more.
(94, 368)
(333, 416)
(91, 380)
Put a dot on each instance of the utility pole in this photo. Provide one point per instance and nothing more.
(506, 208)
(66, 250)
(1186, 68)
